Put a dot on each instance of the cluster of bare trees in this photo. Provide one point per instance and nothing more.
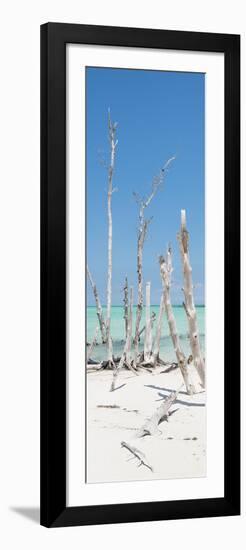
(131, 357)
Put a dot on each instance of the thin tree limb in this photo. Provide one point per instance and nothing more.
(142, 230)
(138, 454)
(152, 319)
(98, 307)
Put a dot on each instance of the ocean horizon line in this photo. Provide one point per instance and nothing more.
(152, 305)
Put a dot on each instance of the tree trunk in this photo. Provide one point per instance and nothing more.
(113, 143)
(141, 238)
(129, 330)
(153, 317)
(126, 354)
(148, 331)
(151, 426)
(143, 225)
(165, 271)
(93, 343)
(189, 305)
(126, 306)
(158, 330)
(98, 307)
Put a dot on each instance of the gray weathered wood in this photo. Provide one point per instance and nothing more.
(148, 331)
(152, 319)
(189, 304)
(150, 427)
(126, 359)
(113, 142)
(156, 347)
(98, 307)
(138, 454)
(126, 306)
(166, 272)
(142, 231)
(93, 343)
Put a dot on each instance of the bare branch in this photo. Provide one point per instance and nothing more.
(137, 454)
(142, 232)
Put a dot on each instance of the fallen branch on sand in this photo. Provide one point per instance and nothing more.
(137, 454)
(151, 426)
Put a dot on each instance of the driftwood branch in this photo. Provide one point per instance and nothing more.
(138, 454)
(98, 307)
(189, 304)
(151, 426)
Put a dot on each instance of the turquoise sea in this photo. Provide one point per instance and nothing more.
(118, 330)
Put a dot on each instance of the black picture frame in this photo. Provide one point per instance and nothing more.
(54, 511)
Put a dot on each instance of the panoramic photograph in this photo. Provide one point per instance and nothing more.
(145, 336)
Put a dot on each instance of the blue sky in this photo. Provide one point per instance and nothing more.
(159, 114)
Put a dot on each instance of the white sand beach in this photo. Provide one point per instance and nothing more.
(178, 450)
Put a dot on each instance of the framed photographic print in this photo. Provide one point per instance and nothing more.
(140, 274)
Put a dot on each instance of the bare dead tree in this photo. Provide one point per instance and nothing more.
(126, 355)
(125, 359)
(148, 331)
(141, 238)
(152, 319)
(129, 331)
(113, 143)
(166, 272)
(156, 353)
(98, 307)
(126, 306)
(189, 305)
(93, 343)
(142, 231)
